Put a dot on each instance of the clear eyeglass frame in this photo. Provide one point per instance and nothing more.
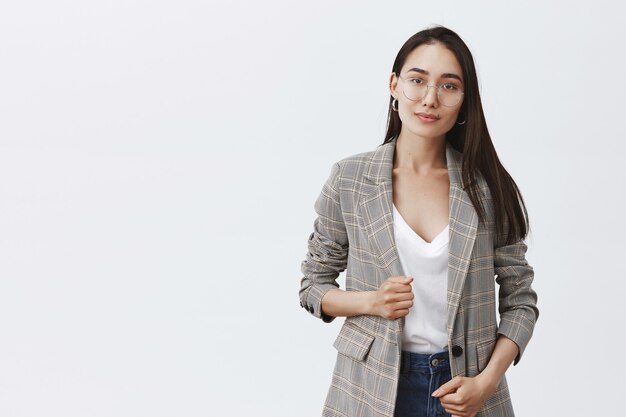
(443, 99)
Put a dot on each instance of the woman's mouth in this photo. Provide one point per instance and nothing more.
(427, 117)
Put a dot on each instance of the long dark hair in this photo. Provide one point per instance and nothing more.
(472, 139)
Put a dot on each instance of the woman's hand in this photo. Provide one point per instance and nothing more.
(394, 298)
(463, 396)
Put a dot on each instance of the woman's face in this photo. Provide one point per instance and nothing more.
(436, 65)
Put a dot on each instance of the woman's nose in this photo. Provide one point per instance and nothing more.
(431, 98)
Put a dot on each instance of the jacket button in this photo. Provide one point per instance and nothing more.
(457, 351)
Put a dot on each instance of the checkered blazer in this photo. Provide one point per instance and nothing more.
(354, 232)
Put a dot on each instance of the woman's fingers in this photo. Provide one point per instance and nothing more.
(403, 304)
(397, 309)
(399, 313)
(401, 279)
(401, 287)
(393, 298)
(399, 292)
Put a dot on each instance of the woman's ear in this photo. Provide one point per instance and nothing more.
(393, 84)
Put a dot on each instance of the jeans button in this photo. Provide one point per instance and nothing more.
(434, 362)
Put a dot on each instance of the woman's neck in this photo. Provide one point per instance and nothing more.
(420, 155)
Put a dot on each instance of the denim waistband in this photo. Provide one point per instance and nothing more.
(433, 361)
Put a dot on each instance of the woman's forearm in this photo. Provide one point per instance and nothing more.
(339, 303)
(503, 355)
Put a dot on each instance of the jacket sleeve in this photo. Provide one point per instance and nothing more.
(327, 249)
(517, 300)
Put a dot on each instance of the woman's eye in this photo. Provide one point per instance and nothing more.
(417, 81)
(450, 87)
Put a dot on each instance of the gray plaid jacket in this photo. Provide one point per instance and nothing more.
(354, 232)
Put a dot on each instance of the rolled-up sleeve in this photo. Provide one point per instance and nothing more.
(517, 299)
(327, 249)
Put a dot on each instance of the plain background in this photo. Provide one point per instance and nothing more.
(159, 162)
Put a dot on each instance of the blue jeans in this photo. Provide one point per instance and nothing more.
(420, 375)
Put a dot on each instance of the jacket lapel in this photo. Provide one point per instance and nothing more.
(376, 208)
(463, 222)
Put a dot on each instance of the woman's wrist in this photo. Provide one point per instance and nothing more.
(488, 381)
(369, 302)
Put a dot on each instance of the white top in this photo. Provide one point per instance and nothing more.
(425, 327)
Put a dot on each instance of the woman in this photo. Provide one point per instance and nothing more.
(425, 225)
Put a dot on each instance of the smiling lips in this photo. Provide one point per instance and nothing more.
(427, 117)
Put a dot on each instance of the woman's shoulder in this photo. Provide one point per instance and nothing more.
(354, 166)
(357, 158)
(366, 155)
(355, 163)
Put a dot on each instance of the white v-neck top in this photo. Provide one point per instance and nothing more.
(425, 327)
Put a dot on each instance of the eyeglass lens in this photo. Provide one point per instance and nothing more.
(417, 91)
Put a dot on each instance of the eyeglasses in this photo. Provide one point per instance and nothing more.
(416, 89)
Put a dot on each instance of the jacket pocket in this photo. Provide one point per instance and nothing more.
(483, 353)
(354, 342)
